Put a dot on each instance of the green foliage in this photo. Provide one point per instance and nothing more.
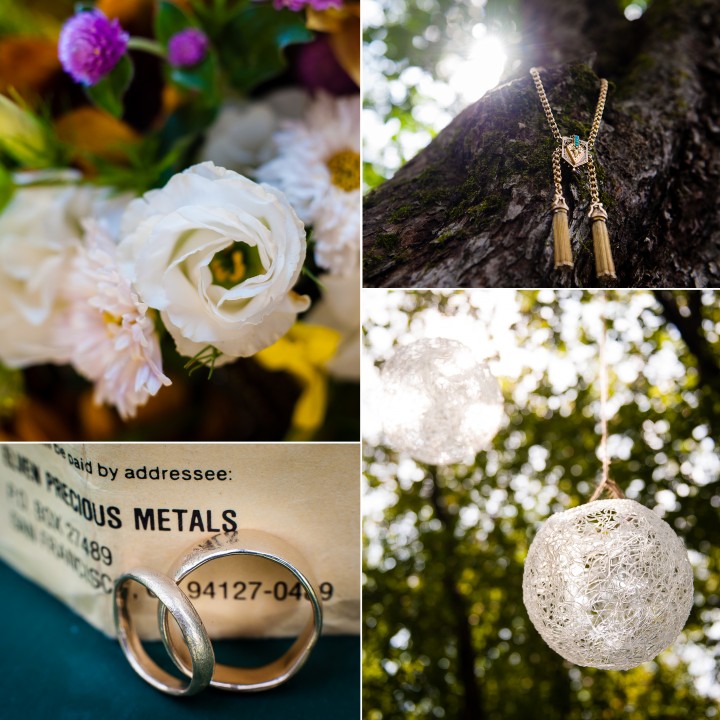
(405, 44)
(205, 358)
(7, 187)
(11, 390)
(150, 165)
(170, 19)
(203, 78)
(445, 547)
(252, 44)
(21, 18)
(109, 92)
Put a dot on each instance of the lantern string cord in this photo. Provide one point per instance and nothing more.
(606, 483)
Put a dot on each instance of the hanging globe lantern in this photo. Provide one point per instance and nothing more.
(440, 404)
(608, 584)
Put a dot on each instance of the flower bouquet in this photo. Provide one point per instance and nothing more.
(179, 220)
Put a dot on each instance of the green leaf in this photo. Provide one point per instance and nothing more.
(252, 44)
(7, 187)
(169, 21)
(203, 78)
(207, 357)
(108, 93)
(12, 389)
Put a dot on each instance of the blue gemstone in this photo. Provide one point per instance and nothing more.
(577, 141)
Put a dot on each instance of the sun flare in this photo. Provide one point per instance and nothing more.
(473, 73)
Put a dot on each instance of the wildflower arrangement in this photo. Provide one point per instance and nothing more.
(179, 193)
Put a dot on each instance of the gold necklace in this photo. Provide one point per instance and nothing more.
(576, 153)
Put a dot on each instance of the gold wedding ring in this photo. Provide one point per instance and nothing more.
(259, 544)
(172, 598)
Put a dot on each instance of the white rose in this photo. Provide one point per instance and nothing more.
(218, 256)
(40, 230)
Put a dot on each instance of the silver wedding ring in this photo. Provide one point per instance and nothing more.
(259, 544)
(172, 598)
(195, 658)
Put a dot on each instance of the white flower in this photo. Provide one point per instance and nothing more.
(40, 230)
(113, 341)
(318, 168)
(339, 309)
(242, 136)
(218, 255)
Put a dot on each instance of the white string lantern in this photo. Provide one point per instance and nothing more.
(440, 404)
(608, 584)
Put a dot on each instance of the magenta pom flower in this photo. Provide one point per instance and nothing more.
(90, 46)
(297, 5)
(187, 48)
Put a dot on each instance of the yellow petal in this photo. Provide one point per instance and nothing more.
(126, 11)
(285, 355)
(346, 46)
(28, 65)
(319, 343)
(332, 19)
(304, 351)
(90, 131)
(343, 25)
(310, 408)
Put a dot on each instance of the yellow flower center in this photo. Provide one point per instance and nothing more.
(110, 319)
(239, 262)
(344, 167)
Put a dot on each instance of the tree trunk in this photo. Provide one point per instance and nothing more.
(689, 323)
(466, 657)
(474, 208)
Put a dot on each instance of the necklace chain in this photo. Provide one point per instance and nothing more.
(551, 118)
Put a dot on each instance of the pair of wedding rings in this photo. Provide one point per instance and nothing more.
(196, 658)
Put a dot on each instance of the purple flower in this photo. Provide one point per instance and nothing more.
(187, 48)
(316, 68)
(297, 5)
(90, 46)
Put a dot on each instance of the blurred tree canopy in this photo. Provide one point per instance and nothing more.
(446, 634)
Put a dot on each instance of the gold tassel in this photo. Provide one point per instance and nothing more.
(561, 234)
(604, 264)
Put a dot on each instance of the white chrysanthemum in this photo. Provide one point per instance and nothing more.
(339, 309)
(318, 169)
(114, 341)
(40, 230)
(241, 138)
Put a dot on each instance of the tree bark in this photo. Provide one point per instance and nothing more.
(473, 208)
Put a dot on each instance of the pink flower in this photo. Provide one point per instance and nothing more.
(187, 48)
(114, 341)
(297, 5)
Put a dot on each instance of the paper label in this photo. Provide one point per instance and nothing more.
(74, 517)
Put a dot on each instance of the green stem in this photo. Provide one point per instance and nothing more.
(146, 45)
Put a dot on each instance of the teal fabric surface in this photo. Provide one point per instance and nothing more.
(55, 666)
